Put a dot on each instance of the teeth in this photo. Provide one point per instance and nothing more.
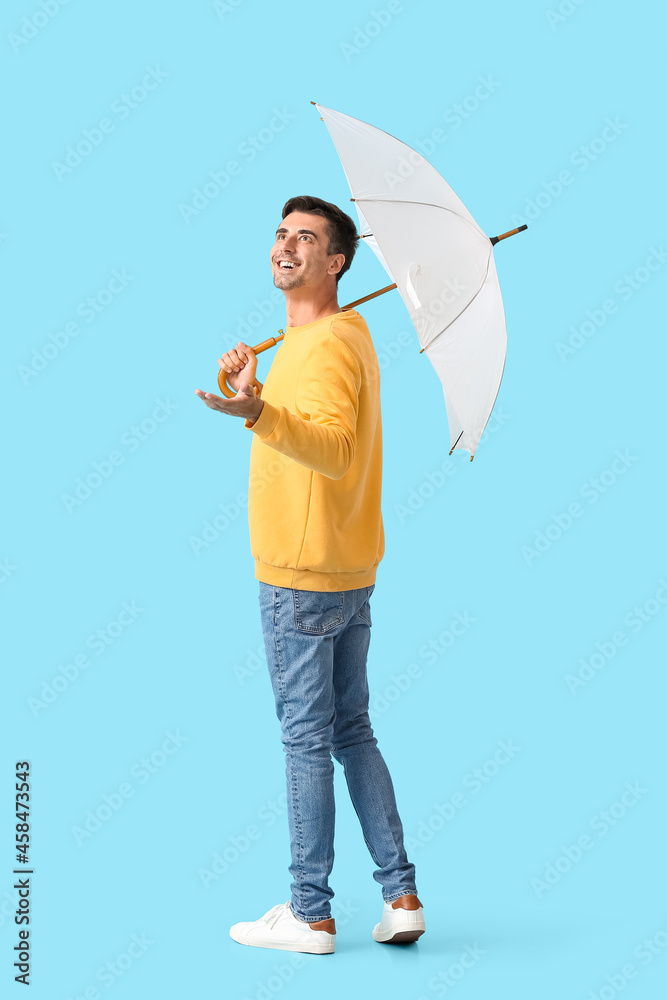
(285, 264)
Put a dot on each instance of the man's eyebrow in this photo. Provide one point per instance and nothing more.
(309, 231)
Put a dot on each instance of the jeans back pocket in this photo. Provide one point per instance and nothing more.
(316, 611)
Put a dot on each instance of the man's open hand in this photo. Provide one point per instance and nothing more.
(244, 404)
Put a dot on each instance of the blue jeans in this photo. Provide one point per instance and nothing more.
(316, 648)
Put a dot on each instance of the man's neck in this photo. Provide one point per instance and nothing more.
(301, 311)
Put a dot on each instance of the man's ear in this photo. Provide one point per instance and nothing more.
(337, 263)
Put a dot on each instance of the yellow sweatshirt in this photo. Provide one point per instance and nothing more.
(316, 460)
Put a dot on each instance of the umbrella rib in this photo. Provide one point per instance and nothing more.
(400, 201)
(499, 384)
(440, 332)
(472, 356)
(428, 204)
(457, 440)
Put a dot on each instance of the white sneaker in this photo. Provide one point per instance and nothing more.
(402, 921)
(279, 928)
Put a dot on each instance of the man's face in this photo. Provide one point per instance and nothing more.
(302, 241)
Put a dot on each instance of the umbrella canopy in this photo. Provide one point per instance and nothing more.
(441, 262)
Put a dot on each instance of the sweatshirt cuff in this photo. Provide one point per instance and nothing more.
(266, 421)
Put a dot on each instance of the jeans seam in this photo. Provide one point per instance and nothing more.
(289, 758)
(297, 827)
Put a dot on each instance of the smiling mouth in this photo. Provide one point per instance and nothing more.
(286, 265)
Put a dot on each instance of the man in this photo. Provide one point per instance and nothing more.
(317, 538)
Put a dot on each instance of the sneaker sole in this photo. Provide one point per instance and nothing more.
(399, 937)
(314, 949)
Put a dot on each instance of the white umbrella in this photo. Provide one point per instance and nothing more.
(440, 261)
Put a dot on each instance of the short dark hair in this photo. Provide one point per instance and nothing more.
(341, 230)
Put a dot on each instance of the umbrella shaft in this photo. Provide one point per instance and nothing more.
(495, 239)
(358, 302)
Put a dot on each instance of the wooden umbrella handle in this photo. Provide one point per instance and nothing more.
(222, 374)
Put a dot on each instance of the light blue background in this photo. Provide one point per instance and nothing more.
(191, 661)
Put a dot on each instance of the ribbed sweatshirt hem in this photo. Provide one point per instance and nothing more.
(308, 579)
